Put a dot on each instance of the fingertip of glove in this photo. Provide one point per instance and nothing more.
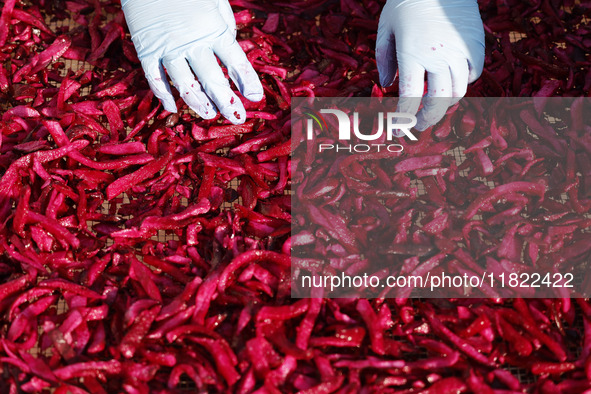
(236, 119)
(386, 81)
(205, 113)
(254, 97)
(422, 126)
(234, 114)
(170, 106)
(474, 75)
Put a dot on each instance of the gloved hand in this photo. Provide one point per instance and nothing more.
(445, 38)
(185, 35)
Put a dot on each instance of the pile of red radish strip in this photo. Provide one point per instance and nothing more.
(93, 299)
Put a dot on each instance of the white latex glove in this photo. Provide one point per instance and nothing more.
(185, 35)
(445, 38)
